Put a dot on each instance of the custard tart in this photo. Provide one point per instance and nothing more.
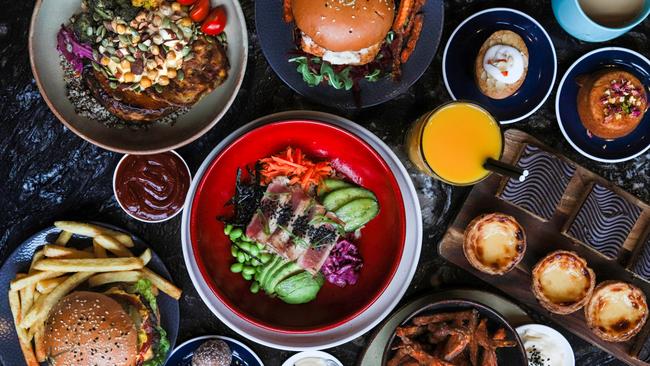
(494, 243)
(562, 282)
(617, 311)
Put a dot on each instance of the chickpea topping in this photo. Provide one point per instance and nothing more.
(154, 50)
(145, 82)
(186, 22)
(171, 73)
(129, 77)
(171, 55)
(120, 29)
(157, 21)
(176, 6)
(105, 61)
(152, 74)
(125, 64)
(163, 81)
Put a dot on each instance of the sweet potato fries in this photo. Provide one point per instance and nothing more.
(448, 339)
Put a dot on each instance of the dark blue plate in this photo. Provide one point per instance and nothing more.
(19, 261)
(463, 46)
(241, 354)
(276, 40)
(607, 151)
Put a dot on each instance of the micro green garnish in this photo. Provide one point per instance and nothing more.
(296, 239)
(340, 80)
(265, 222)
(322, 219)
(373, 76)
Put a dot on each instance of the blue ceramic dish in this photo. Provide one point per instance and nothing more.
(241, 354)
(463, 46)
(607, 151)
(19, 261)
(276, 40)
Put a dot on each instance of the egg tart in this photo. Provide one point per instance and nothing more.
(617, 311)
(494, 243)
(562, 282)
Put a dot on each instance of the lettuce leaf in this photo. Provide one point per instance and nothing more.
(161, 349)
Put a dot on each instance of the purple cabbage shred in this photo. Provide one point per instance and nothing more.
(73, 50)
(343, 264)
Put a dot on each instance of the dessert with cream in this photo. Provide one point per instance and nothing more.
(611, 103)
(617, 311)
(501, 65)
(494, 243)
(562, 282)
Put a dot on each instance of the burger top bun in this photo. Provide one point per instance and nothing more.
(344, 25)
(88, 328)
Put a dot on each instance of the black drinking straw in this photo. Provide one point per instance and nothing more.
(506, 170)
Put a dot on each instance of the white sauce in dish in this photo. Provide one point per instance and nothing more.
(550, 353)
(504, 63)
(310, 361)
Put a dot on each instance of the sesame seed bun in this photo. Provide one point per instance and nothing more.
(88, 328)
(344, 25)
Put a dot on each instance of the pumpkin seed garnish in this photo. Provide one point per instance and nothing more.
(143, 47)
(130, 58)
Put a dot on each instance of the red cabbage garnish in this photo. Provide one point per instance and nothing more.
(343, 264)
(73, 50)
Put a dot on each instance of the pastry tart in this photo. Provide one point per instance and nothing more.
(562, 282)
(494, 243)
(617, 311)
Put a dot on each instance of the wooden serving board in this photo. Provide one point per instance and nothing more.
(544, 237)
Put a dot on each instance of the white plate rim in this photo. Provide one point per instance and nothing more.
(564, 343)
(291, 361)
(548, 38)
(557, 104)
(380, 308)
(200, 338)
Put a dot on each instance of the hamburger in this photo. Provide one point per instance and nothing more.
(118, 327)
(343, 32)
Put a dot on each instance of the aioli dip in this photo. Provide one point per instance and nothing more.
(545, 346)
(152, 187)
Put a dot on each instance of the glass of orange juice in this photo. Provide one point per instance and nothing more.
(453, 142)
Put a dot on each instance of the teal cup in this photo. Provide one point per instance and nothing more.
(578, 24)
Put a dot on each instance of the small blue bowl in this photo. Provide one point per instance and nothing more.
(241, 354)
(607, 151)
(462, 49)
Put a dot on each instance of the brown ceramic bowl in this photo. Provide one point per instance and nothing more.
(44, 57)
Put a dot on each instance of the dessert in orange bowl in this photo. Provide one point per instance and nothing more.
(617, 311)
(562, 282)
(611, 103)
(494, 243)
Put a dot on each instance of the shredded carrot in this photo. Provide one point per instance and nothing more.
(293, 164)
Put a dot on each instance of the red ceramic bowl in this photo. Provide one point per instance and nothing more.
(381, 243)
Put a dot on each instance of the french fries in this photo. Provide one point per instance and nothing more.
(58, 251)
(63, 238)
(82, 228)
(46, 286)
(112, 245)
(111, 277)
(162, 284)
(32, 279)
(58, 269)
(89, 265)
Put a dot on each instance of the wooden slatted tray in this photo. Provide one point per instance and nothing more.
(545, 236)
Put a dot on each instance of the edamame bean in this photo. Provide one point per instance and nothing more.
(255, 287)
(247, 276)
(245, 246)
(260, 246)
(247, 256)
(255, 262)
(235, 234)
(241, 257)
(265, 257)
(254, 250)
(227, 229)
(236, 268)
(248, 270)
(234, 251)
(246, 238)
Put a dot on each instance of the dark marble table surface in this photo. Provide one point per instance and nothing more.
(48, 173)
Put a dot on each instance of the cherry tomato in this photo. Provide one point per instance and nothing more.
(200, 10)
(186, 2)
(215, 22)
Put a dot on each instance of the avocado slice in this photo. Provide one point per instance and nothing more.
(329, 185)
(338, 198)
(300, 288)
(287, 270)
(357, 213)
(268, 268)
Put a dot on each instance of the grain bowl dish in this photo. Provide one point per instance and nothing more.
(133, 62)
